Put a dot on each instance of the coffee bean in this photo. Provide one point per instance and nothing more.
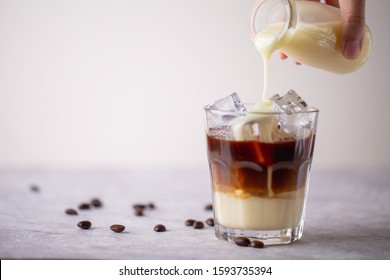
(71, 211)
(208, 207)
(242, 241)
(159, 228)
(84, 224)
(138, 212)
(117, 228)
(34, 188)
(198, 225)
(96, 203)
(139, 206)
(257, 244)
(189, 222)
(151, 205)
(84, 206)
(210, 222)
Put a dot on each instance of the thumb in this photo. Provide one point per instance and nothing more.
(353, 27)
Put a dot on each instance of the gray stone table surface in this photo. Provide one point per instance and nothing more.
(348, 216)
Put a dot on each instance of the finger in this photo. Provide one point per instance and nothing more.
(282, 55)
(353, 27)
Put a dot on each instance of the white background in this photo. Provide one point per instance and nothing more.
(98, 83)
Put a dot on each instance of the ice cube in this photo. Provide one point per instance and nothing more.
(221, 114)
(229, 103)
(261, 125)
(230, 117)
(291, 125)
(291, 102)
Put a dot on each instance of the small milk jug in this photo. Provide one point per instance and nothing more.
(308, 32)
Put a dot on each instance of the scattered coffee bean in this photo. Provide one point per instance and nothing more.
(84, 224)
(84, 206)
(189, 222)
(208, 207)
(117, 228)
(139, 206)
(151, 205)
(198, 225)
(210, 222)
(96, 203)
(34, 188)
(257, 244)
(71, 211)
(159, 228)
(138, 212)
(242, 241)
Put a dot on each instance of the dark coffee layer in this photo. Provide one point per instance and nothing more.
(249, 165)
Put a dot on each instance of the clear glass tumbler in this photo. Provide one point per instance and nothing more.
(259, 187)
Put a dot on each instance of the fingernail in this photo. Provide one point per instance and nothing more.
(351, 49)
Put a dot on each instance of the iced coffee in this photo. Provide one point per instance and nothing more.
(260, 165)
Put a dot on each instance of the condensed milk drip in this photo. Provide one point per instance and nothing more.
(266, 42)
